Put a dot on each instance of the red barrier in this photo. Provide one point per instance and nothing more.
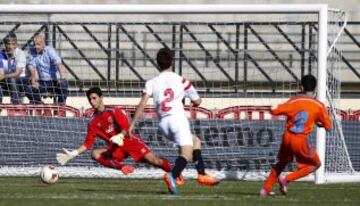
(199, 113)
(246, 112)
(234, 112)
(150, 112)
(344, 115)
(355, 116)
(38, 110)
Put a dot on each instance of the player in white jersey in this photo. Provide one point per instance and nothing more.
(168, 89)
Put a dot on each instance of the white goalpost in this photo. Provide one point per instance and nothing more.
(242, 59)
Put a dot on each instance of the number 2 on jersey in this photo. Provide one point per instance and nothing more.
(169, 94)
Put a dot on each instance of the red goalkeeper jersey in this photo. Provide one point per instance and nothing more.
(105, 125)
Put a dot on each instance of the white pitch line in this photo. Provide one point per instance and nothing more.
(114, 197)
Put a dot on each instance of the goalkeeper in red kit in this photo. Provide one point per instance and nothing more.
(111, 125)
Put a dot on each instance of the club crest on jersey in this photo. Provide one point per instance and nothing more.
(110, 119)
(110, 129)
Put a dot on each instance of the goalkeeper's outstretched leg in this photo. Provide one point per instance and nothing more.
(105, 157)
(152, 159)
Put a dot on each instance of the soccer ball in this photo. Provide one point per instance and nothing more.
(49, 174)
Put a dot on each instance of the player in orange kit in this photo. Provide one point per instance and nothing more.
(302, 113)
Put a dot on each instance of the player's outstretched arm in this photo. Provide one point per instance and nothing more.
(139, 111)
(196, 103)
(63, 158)
(320, 124)
(191, 92)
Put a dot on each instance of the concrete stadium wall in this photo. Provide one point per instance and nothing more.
(208, 103)
(350, 6)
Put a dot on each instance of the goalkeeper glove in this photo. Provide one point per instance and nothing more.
(127, 169)
(63, 158)
(118, 139)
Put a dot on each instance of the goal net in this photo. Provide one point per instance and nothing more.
(241, 58)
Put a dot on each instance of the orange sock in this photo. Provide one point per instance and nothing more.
(274, 173)
(301, 172)
(271, 179)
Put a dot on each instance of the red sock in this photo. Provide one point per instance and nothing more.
(301, 172)
(165, 165)
(112, 163)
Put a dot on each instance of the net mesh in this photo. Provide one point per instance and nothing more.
(337, 160)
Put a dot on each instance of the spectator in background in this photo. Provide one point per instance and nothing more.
(51, 72)
(13, 73)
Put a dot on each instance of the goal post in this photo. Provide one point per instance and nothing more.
(321, 88)
(236, 82)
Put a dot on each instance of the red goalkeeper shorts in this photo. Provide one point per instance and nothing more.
(133, 147)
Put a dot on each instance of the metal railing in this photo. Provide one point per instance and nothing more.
(115, 47)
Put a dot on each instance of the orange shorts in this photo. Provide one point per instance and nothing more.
(295, 145)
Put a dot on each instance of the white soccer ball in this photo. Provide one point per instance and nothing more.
(49, 174)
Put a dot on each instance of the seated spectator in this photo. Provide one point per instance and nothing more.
(13, 74)
(51, 72)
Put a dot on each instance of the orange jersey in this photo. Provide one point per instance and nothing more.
(302, 113)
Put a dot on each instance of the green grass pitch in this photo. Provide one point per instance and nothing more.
(127, 192)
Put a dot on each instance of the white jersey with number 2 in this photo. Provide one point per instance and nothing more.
(168, 90)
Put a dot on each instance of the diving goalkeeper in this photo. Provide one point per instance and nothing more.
(111, 125)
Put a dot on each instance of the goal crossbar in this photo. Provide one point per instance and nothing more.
(164, 9)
